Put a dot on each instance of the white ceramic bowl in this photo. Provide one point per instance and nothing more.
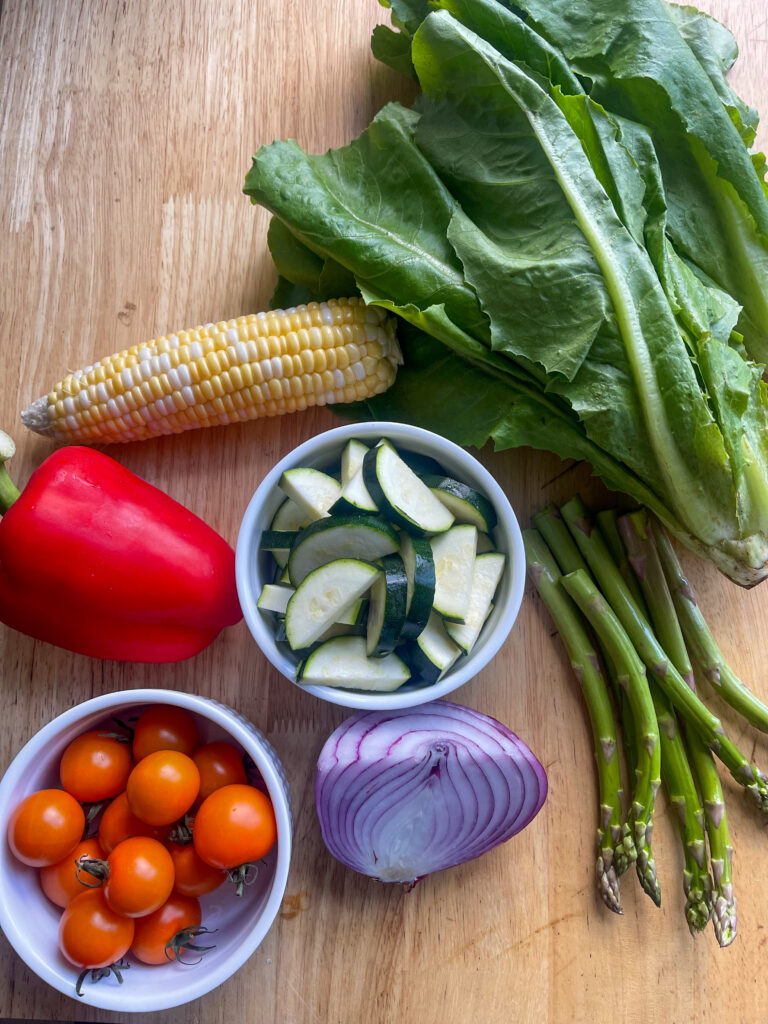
(254, 568)
(30, 921)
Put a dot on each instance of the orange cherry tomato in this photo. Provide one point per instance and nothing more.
(60, 882)
(220, 764)
(118, 822)
(91, 934)
(193, 876)
(45, 827)
(95, 767)
(235, 825)
(162, 787)
(163, 727)
(140, 876)
(153, 939)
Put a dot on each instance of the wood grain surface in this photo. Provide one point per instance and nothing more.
(126, 130)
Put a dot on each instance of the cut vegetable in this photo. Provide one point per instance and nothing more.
(485, 579)
(274, 598)
(343, 662)
(433, 652)
(277, 540)
(454, 553)
(352, 459)
(386, 613)
(466, 504)
(401, 794)
(354, 498)
(416, 553)
(323, 596)
(290, 517)
(401, 495)
(313, 491)
(327, 540)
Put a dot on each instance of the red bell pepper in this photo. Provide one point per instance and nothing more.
(98, 561)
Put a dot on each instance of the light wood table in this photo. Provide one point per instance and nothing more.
(126, 130)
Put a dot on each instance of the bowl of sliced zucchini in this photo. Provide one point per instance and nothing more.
(379, 566)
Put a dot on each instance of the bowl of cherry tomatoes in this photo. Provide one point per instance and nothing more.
(145, 829)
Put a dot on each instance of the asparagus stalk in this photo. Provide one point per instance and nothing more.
(704, 650)
(681, 789)
(632, 677)
(644, 537)
(608, 523)
(685, 701)
(612, 855)
(557, 536)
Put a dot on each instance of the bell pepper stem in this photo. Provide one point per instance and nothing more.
(9, 492)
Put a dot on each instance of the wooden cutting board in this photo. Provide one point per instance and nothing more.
(125, 135)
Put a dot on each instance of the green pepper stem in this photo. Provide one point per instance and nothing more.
(9, 492)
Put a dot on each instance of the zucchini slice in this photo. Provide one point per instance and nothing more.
(484, 544)
(416, 553)
(274, 598)
(466, 504)
(454, 554)
(354, 498)
(277, 540)
(401, 495)
(433, 652)
(290, 517)
(323, 596)
(327, 540)
(485, 579)
(352, 460)
(343, 662)
(314, 492)
(386, 609)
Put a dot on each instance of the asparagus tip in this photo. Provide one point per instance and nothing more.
(724, 920)
(608, 882)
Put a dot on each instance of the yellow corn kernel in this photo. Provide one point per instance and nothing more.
(264, 364)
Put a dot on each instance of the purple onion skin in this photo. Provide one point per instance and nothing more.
(401, 794)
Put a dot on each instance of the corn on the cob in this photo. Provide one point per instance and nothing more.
(264, 364)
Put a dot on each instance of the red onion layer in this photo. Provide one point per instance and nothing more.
(400, 794)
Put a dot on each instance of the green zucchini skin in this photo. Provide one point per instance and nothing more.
(467, 504)
(418, 552)
(363, 537)
(373, 471)
(386, 610)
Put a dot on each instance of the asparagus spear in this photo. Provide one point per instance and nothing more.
(608, 524)
(660, 602)
(612, 854)
(632, 676)
(557, 536)
(704, 650)
(685, 701)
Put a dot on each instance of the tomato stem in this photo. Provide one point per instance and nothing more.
(95, 867)
(97, 973)
(181, 943)
(240, 876)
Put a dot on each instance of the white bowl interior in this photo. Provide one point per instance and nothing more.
(30, 921)
(254, 568)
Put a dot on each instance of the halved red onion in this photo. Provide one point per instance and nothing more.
(401, 794)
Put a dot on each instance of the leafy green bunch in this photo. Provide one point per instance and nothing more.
(573, 228)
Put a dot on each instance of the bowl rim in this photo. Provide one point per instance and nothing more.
(122, 999)
(245, 552)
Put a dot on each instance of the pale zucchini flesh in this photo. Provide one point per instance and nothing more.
(433, 652)
(454, 553)
(313, 491)
(400, 494)
(343, 662)
(323, 596)
(290, 517)
(467, 504)
(354, 497)
(327, 540)
(274, 598)
(352, 460)
(485, 579)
